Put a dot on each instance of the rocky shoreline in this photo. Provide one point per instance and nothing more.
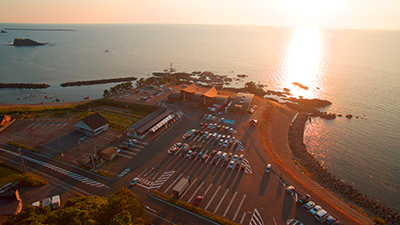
(100, 81)
(328, 180)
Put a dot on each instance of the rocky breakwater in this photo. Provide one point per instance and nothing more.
(330, 181)
(24, 85)
(26, 42)
(101, 81)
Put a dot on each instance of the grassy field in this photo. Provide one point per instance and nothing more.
(8, 175)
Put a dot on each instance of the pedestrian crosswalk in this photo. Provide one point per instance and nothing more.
(256, 218)
(239, 146)
(124, 172)
(62, 171)
(248, 167)
(147, 179)
(161, 180)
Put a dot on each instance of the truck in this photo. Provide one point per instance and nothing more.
(55, 202)
(180, 188)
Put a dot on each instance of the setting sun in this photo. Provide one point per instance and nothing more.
(311, 7)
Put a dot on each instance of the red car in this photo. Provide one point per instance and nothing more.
(197, 200)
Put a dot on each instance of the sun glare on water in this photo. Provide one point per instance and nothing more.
(303, 61)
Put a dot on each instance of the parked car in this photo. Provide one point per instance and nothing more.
(303, 200)
(231, 164)
(235, 157)
(189, 153)
(268, 168)
(219, 153)
(309, 205)
(321, 215)
(204, 157)
(314, 210)
(197, 200)
(230, 155)
(213, 153)
(241, 158)
(199, 155)
(134, 181)
(289, 189)
(330, 220)
(224, 155)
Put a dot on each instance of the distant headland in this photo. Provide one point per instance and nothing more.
(26, 42)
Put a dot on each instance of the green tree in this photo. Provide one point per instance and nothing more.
(106, 93)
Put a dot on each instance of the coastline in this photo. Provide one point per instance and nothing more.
(330, 181)
(274, 131)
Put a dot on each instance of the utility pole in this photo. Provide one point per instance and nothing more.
(59, 145)
(22, 160)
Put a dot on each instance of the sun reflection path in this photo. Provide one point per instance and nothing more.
(303, 62)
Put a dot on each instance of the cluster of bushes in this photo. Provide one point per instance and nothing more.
(31, 180)
(117, 89)
(121, 208)
(18, 145)
(193, 208)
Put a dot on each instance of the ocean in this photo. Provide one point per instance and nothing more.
(357, 70)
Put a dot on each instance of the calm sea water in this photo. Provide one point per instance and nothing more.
(357, 70)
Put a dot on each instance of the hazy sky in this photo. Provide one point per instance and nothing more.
(375, 14)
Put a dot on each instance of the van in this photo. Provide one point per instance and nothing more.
(46, 202)
(321, 215)
(55, 202)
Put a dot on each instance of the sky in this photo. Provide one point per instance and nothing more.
(358, 14)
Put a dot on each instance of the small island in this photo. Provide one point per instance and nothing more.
(26, 42)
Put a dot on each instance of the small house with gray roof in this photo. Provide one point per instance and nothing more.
(92, 125)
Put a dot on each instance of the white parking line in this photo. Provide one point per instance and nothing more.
(240, 206)
(207, 190)
(215, 193)
(222, 199)
(125, 156)
(155, 175)
(127, 152)
(190, 199)
(173, 183)
(30, 125)
(187, 190)
(230, 203)
(142, 172)
(244, 216)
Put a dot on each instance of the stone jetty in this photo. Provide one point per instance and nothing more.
(24, 85)
(101, 81)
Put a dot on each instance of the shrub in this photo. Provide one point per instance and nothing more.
(18, 145)
(31, 180)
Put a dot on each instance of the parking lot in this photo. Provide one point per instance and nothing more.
(242, 192)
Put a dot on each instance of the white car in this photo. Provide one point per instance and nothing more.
(231, 164)
(315, 209)
(224, 155)
(309, 205)
(134, 181)
(268, 168)
(219, 153)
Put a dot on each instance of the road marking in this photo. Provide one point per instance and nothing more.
(244, 216)
(173, 182)
(154, 177)
(125, 156)
(70, 174)
(190, 199)
(127, 152)
(212, 198)
(30, 125)
(230, 203)
(207, 190)
(187, 190)
(256, 218)
(161, 180)
(124, 172)
(222, 199)
(240, 206)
